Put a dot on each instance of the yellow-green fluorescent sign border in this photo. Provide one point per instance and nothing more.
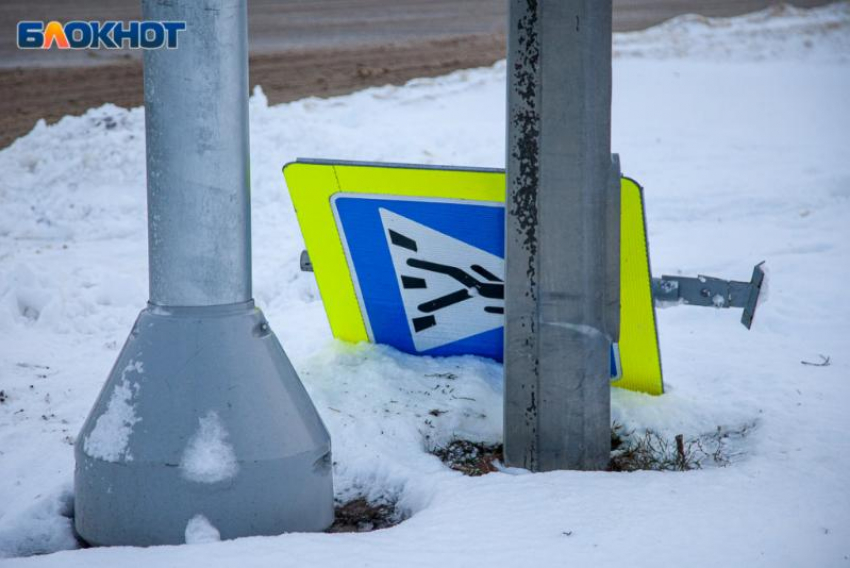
(312, 185)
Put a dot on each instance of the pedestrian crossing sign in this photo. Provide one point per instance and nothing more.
(413, 257)
(424, 271)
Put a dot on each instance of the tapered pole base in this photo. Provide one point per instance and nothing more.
(202, 414)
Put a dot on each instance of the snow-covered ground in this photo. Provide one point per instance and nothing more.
(738, 129)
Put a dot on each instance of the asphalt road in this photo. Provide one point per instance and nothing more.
(298, 48)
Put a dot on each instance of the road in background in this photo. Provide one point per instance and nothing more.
(298, 48)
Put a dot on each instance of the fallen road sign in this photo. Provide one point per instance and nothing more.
(413, 257)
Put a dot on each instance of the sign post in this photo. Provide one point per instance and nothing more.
(562, 235)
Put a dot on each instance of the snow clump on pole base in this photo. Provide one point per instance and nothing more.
(209, 458)
(108, 440)
(200, 530)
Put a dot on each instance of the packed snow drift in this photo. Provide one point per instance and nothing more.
(738, 130)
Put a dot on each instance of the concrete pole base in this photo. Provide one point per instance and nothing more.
(202, 414)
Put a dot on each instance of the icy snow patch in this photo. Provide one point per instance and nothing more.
(200, 530)
(208, 457)
(44, 527)
(108, 440)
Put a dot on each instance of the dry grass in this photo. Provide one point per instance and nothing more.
(650, 450)
(469, 458)
(630, 451)
(362, 515)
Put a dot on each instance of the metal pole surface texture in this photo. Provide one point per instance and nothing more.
(203, 419)
(562, 235)
(196, 123)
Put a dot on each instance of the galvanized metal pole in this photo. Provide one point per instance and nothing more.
(562, 235)
(202, 414)
(196, 123)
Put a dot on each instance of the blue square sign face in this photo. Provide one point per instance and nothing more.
(428, 272)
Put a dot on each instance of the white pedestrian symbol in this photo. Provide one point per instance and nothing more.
(450, 289)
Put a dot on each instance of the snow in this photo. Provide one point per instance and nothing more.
(208, 457)
(44, 526)
(740, 140)
(108, 440)
(780, 32)
(199, 530)
(764, 291)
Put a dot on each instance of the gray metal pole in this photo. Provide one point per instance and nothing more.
(562, 236)
(202, 413)
(196, 123)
